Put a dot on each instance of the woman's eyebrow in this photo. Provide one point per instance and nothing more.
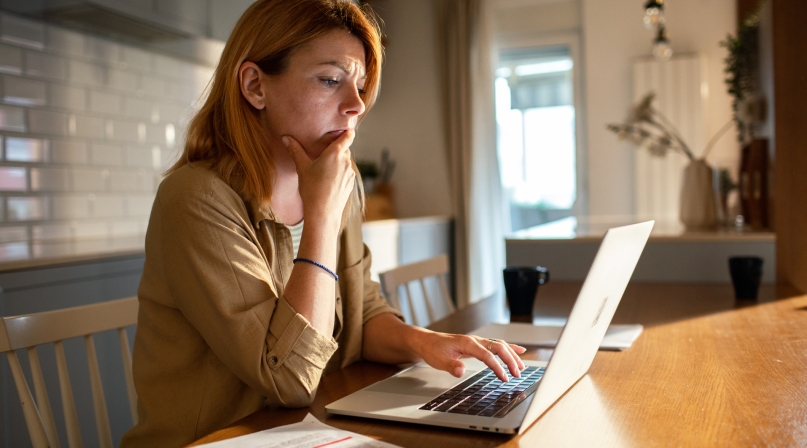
(342, 67)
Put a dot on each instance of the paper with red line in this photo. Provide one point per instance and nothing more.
(309, 433)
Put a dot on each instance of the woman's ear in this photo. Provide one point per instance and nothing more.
(249, 79)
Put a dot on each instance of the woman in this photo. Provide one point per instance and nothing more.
(233, 314)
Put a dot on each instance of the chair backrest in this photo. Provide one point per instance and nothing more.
(29, 331)
(401, 277)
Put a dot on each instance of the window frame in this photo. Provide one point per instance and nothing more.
(572, 41)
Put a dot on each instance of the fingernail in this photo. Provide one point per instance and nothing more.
(285, 140)
(458, 372)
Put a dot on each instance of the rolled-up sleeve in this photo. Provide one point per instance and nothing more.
(218, 277)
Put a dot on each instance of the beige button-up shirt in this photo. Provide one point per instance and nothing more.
(216, 340)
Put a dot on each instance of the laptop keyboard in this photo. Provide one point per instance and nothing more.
(486, 395)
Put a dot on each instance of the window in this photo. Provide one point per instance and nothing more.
(537, 144)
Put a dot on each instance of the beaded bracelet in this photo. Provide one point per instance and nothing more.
(335, 277)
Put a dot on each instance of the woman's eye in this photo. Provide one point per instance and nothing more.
(330, 82)
(362, 92)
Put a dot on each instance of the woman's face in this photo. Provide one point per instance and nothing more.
(317, 98)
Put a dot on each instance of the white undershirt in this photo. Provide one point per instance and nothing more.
(296, 232)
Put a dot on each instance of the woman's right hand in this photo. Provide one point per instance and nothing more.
(325, 183)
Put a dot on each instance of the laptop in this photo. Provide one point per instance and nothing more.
(479, 401)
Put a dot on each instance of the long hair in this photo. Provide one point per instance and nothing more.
(226, 132)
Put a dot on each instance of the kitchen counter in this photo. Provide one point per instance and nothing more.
(568, 246)
(37, 254)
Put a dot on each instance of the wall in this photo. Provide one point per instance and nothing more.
(408, 117)
(60, 286)
(613, 35)
(87, 126)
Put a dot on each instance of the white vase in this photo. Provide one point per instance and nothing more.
(698, 210)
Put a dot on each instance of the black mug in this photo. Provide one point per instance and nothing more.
(746, 275)
(521, 284)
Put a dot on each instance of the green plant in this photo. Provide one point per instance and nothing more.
(646, 127)
(367, 168)
(741, 71)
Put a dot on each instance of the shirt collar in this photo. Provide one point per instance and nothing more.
(260, 211)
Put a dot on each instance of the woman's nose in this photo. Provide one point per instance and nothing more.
(352, 104)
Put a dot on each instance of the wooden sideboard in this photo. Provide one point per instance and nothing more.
(567, 247)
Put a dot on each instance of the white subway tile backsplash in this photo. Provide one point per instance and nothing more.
(12, 119)
(105, 119)
(106, 155)
(45, 65)
(84, 73)
(19, 31)
(147, 182)
(123, 181)
(166, 66)
(157, 157)
(52, 231)
(123, 80)
(13, 179)
(173, 113)
(22, 91)
(137, 108)
(155, 134)
(45, 122)
(90, 180)
(125, 131)
(13, 234)
(126, 228)
(108, 206)
(26, 208)
(10, 59)
(26, 149)
(65, 41)
(71, 207)
(202, 76)
(136, 59)
(105, 51)
(154, 87)
(107, 103)
(50, 179)
(170, 135)
(139, 205)
(182, 92)
(15, 251)
(138, 157)
(67, 97)
(69, 152)
(91, 229)
(88, 127)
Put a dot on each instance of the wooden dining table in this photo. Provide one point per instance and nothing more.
(708, 370)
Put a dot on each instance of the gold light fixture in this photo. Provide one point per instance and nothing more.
(654, 14)
(661, 46)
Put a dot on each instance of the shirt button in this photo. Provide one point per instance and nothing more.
(273, 360)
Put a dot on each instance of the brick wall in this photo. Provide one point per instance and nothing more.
(86, 127)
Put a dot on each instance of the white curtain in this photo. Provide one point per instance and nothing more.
(465, 39)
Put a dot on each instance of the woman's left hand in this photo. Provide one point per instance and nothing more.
(443, 352)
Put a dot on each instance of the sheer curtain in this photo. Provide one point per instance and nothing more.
(465, 40)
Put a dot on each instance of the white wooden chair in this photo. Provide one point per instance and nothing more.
(402, 276)
(29, 331)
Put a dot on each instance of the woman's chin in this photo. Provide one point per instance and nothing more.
(316, 149)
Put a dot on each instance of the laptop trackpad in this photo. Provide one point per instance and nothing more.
(418, 380)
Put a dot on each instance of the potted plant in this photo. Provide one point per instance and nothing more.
(648, 128)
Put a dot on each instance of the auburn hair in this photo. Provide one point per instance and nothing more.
(227, 132)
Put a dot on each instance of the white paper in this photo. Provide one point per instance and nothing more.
(617, 337)
(309, 433)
